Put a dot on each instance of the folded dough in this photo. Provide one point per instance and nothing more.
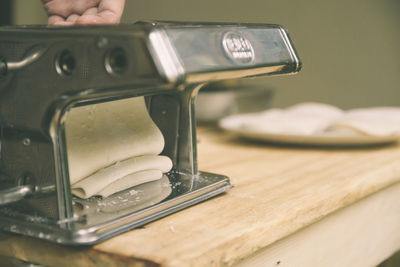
(113, 146)
(100, 135)
(130, 181)
(122, 175)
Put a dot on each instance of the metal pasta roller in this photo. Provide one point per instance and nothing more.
(47, 72)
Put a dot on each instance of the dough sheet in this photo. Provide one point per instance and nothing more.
(100, 135)
(112, 146)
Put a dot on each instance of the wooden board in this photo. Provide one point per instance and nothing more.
(363, 234)
(278, 190)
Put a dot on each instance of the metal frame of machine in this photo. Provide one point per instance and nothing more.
(46, 71)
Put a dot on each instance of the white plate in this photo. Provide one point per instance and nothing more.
(332, 138)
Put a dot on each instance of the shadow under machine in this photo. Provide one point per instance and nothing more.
(48, 72)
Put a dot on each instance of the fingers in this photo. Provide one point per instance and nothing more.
(82, 20)
(115, 7)
(60, 8)
(56, 20)
(90, 20)
(81, 6)
(91, 11)
(69, 12)
(60, 21)
(66, 7)
(63, 23)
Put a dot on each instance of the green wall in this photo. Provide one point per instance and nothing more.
(350, 49)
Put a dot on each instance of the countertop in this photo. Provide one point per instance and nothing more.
(278, 191)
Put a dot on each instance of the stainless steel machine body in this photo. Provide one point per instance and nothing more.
(46, 71)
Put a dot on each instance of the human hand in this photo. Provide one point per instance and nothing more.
(70, 12)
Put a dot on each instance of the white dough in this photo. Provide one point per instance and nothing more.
(119, 174)
(130, 181)
(100, 135)
(112, 146)
(379, 121)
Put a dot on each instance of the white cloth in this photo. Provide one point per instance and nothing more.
(378, 121)
(304, 119)
(110, 141)
(316, 118)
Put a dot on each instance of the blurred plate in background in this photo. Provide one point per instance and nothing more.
(221, 99)
(334, 137)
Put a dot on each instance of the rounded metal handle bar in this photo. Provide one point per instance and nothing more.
(15, 194)
(6, 67)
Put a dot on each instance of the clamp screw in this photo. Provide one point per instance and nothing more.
(26, 141)
(3, 67)
(102, 42)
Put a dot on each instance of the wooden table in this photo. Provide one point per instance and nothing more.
(291, 206)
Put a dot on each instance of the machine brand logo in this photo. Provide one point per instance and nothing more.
(238, 48)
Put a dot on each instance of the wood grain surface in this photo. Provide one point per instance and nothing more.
(278, 191)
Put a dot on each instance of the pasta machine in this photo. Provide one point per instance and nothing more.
(47, 71)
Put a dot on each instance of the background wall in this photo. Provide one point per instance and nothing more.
(28, 12)
(5, 14)
(350, 49)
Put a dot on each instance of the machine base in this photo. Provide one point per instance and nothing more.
(97, 219)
